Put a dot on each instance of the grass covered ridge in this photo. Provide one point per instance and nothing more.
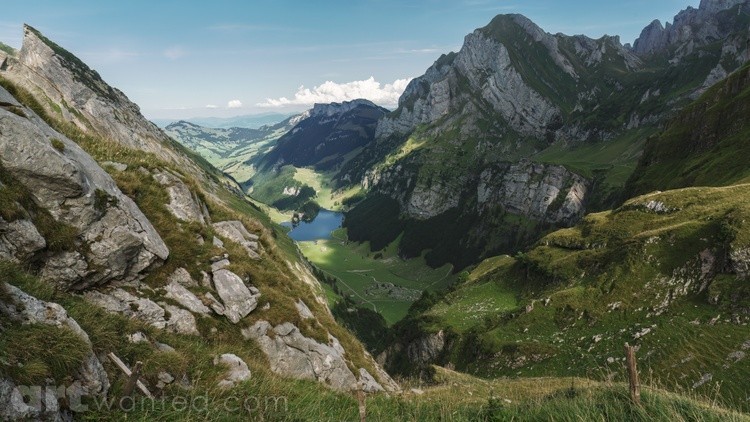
(656, 273)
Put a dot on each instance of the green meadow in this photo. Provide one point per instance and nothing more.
(360, 270)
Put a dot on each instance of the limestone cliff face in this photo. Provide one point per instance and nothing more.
(115, 240)
(43, 67)
(543, 192)
(546, 193)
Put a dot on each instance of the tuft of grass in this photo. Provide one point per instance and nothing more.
(57, 144)
(32, 353)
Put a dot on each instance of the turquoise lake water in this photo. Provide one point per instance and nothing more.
(318, 229)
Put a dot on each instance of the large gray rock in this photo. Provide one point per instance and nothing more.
(121, 244)
(303, 311)
(183, 203)
(368, 383)
(37, 405)
(237, 370)
(238, 299)
(89, 380)
(424, 350)
(236, 232)
(294, 355)
(19, 240)
(185, 298)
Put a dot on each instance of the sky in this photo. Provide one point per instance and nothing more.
(182, 59)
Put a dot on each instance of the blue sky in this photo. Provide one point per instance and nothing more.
(180, 59)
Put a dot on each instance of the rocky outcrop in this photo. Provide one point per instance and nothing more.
(691, 29)
(543, 192)
(292, 354)
(739, 259)
(119, 301)
(183, 203)
(426, 349)
(715, 6)
(367, 382)
(116, 241)
(485, 76)
(303, 311)
(90, 380)
(236, 232)
(86, 100)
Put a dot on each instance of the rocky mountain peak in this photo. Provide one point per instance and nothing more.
(37, 50)
(691, 28)
(86, 99)
(332, 109)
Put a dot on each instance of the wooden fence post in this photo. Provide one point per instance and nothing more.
(132, 380)
(362, 404)
(635, 385)
(132, 376)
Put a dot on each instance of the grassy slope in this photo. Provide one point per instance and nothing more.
(357, 269)
(280, 287)
(454, 396)
(707, 144)
(607, 281)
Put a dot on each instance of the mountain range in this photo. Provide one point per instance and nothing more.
(581, 193)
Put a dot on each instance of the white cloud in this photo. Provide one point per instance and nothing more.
(174, 53)
(234, 104)
(329, 92)
(211, 106)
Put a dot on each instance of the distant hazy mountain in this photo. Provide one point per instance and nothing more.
(251, 121)
(229, 149)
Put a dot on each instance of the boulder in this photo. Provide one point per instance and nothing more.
(19, 240)
(219, 265)
(181, 321)
(367, 382)
(237, 370)
(185, 298)
(214, 304)
(238, 300)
